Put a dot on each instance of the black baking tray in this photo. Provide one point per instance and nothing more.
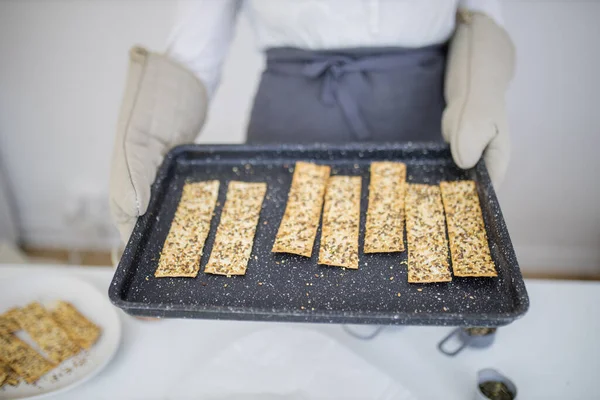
(283, 287)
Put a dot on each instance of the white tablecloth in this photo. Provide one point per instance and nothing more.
(551, 353)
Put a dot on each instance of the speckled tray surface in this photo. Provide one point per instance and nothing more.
(283, 287)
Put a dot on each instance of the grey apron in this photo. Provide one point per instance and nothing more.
(370, 94)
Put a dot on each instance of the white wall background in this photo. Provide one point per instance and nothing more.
(62, 69)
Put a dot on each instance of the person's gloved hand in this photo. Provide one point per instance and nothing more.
(479, 68)
(164, 105)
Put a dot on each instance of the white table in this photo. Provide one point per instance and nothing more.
(551, 353)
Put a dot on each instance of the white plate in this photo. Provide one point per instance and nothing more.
(19, 291)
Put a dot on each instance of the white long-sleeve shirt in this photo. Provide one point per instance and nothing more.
(204, 28)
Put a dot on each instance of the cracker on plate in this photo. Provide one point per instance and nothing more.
(46, 333)
(80, 329)
(24, 360)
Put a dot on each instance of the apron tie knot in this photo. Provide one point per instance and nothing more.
(343, 78)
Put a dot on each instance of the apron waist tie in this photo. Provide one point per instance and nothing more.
(331, 67)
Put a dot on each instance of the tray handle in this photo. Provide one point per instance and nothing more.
(452, 353)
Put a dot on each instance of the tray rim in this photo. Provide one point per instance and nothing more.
(213, 312)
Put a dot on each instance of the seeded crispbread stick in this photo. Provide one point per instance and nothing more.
(469, 246)
(235, 234)
(181, 253)
(341, 219)
(385, 213)
(426, 235)
(300, 221)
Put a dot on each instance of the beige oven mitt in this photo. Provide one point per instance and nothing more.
(479, 68)
(164, 105)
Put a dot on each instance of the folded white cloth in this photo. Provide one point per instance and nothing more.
(291, 364)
